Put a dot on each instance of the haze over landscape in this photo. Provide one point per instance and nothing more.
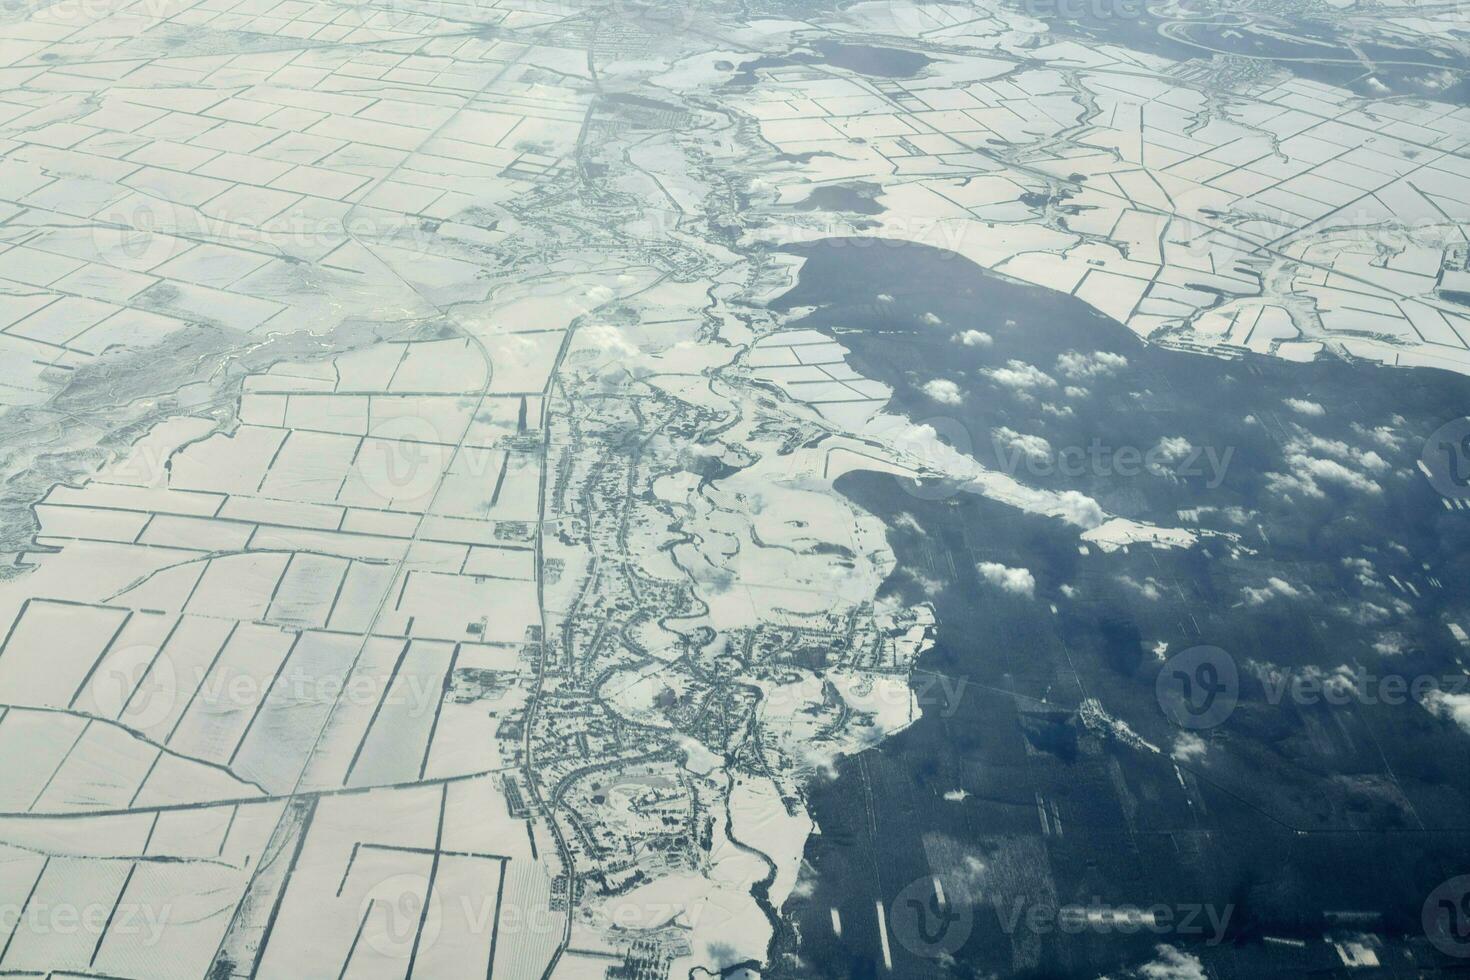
(644, 490)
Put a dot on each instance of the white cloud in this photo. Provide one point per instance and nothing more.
(605, 336)
(1445, 704)
(1149, 588)
(1078, 366)
(1188, 747)
(1389, 644)
(1235, 515)
(932, 320)
(1437, 80)
(974, 338)
(1079, 509)
(1367, 613)
(924, 444)
(1172, 963)
(1017, 581)
(1334, 472)
(1034, 446)
(1274, 587)
(1303, 407)
(1307, 473)
(907, 522)
(931, 586)
(1020, 376)
(1172, 449)
(1364, 572)
(1339, 450)
(943, 391)
(1383, 435)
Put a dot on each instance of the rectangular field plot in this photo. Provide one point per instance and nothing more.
(51, 649)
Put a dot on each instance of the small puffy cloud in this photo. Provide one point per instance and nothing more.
(932, 320)
(1173, 449)
(1339, 450)
(1367, 613)
(1033, 446)
(974, 338)
(1389, 644)
(906, 521)
(1306, 472)
(1450, 705)
(1235, 515)
(1274, 587)
(1073, 391)
(1384, 436)
(1079, 509)
(1436, 81)
(1070, 591)
(1364, 572)
(1020, 376)
(606, 337)
(943, 391)
(1188, 747)
(1079, 366)
(885, 298)
(1169, 963)
(1303, 407)
(1371, 461)
(1016, 581)
(1172, 963)
(1334, 472)
(1149, 588)
(931, 587)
